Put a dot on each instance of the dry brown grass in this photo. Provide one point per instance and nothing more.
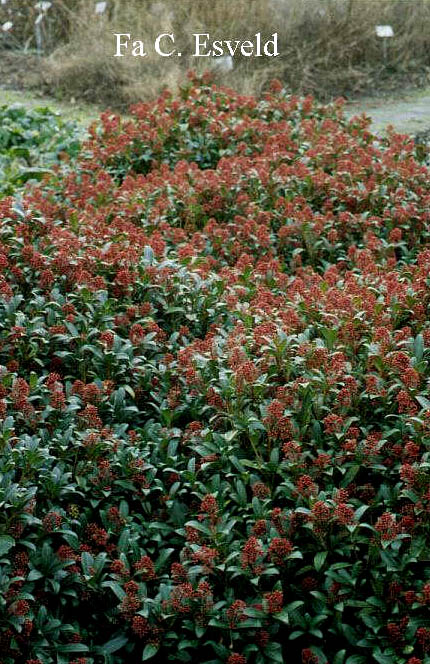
(328, 47)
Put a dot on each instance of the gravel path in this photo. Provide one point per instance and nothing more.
(409, 114)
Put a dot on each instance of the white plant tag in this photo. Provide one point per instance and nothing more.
(223, 63)
(43, 6)
(100, 7)
(384, 31)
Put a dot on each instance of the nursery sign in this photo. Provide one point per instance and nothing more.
(203, 46)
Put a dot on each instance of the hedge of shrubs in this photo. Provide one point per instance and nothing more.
(215, 419)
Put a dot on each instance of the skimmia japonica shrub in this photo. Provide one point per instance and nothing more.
(215, 419)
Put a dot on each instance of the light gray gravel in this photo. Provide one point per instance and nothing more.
(408, 114)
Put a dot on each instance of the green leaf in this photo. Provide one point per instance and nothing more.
(236, 463)
(162, 558)
(319, 560)
(241, 492)
(198, 526)
(330, 336)
(72, 647)
(130, 391)
(115, 587)
(351, 473)
(282, 616)
(34, 574)
(149, 652)
(257, 507)
(253, 613)
(6, 543)
(419, 347)
(274, 652)
(424, 403)
(382, 659)
(113, 645)
(293, 606)
(87, 562)
(360, 511)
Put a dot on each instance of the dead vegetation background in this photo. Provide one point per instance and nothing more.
(328, 47)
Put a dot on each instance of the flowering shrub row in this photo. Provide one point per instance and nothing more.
(215, 420)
